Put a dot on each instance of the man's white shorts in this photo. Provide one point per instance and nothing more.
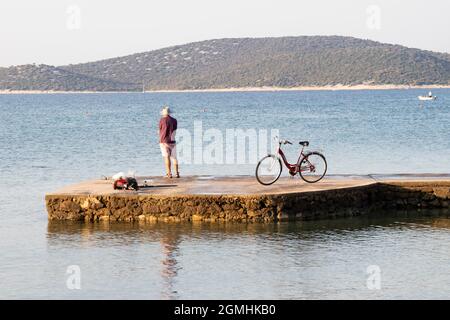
(169, 150)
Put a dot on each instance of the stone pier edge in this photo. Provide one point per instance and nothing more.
(340, 202)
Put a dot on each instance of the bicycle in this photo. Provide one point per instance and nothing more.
(311, 166)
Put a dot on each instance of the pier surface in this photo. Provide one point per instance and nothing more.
(242, 198)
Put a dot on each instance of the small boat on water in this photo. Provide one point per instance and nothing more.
(428, 97)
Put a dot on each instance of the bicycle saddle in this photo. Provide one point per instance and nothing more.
(304, 143)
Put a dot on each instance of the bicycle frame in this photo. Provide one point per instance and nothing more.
(293, 168)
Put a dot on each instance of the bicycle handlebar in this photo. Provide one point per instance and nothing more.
(282, 141)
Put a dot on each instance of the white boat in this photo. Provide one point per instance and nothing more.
(428, 97)
(425, 98)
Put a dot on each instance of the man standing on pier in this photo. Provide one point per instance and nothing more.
(167, 143)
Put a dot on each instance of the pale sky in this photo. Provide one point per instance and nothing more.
(59, 32)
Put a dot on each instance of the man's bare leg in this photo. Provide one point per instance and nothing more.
(167, 163)
(175, 165)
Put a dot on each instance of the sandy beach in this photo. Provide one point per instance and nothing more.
(312, 88)
(249, 89)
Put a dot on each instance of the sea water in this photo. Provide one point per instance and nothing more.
(50, 140)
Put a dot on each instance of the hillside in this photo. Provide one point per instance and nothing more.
(46, 78)
(249, 62)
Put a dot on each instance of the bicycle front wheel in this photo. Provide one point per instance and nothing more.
(313, 167)
(268, 170)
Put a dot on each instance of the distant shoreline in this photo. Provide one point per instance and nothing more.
(246, 89)
(311, 88)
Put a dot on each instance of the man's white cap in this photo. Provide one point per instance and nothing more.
(165, 111)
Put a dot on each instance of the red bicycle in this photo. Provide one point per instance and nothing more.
(311, 166)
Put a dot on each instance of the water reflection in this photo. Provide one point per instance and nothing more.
(309, 259)
(170, 235)
(169, 243)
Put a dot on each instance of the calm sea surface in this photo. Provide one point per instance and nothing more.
(48, 141)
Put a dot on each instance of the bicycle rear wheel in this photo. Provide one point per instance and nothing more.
(268, 170)
(313, 167)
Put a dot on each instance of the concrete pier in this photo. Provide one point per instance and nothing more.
(242, 198)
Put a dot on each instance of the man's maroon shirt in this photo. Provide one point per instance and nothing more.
(167, 126)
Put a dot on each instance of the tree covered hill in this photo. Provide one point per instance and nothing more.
(245, 62)
(49, 78)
